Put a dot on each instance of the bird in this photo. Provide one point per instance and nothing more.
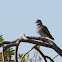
(43, 30)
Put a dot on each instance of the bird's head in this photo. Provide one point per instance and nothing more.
(38, 22)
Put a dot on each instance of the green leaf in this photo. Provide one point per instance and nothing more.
(20, 55)
(1, 38)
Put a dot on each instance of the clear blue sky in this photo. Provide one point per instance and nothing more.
(19, 16)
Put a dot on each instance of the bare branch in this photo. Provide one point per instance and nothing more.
(26, 53)
(49, 58)
(29, 39)
(10, 45)
(8, 42)
(50, 44)
(55, 56)
(16, 51)
(41, 53)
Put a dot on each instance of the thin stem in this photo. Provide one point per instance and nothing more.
(3, 54)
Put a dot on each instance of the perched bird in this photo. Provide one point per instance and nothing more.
(42, 30)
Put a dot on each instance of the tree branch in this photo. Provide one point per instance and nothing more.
(55, 56)
(16, 51)
(26, 53)
(45, 44)
(41, 53)
(49, 58)
(29, 39)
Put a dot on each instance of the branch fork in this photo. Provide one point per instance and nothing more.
(33, 40)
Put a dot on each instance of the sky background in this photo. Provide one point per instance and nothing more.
(19, 16)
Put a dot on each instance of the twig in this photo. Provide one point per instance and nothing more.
(41, 53)
(49, 58)
(55, 56)
(36, 57)
(9, 56)
(45, 43)
(50, 44)
(8, 42)
(16, 51)
(26, 53)
(41, 39)
(10, 45)
(3, 54)
(29, 39)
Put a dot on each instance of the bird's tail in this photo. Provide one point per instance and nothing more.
(51, 37)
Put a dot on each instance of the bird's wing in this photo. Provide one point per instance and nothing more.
(46, 31)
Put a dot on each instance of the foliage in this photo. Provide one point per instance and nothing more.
(35, 58)
(1, 39)
(6, 52)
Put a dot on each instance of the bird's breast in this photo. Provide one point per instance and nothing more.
(40, 31)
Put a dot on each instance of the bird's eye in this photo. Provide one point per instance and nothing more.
(38, 24)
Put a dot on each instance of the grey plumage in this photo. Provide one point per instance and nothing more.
(42, 30)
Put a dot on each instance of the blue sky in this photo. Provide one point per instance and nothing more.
(19, 16)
